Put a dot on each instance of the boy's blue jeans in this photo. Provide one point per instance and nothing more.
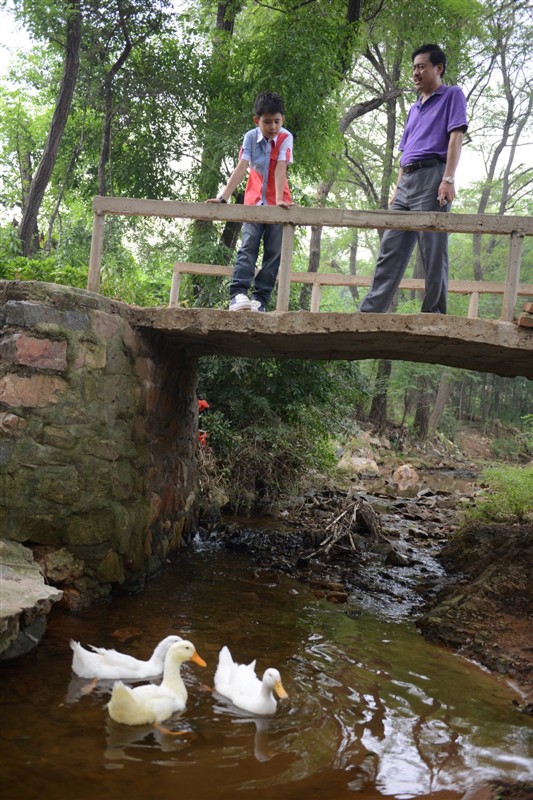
(244, 269)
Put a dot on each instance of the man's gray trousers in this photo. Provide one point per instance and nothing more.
(417, 191)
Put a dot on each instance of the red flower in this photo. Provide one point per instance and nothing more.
(202, 437)
(202, 405)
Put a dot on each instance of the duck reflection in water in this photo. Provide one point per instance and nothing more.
(81, 687)
(121, 737)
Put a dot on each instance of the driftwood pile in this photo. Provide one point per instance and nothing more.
(340, 524)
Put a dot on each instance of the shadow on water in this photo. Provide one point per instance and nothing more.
(373, 709)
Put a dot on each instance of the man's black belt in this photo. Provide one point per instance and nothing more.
(427, 162)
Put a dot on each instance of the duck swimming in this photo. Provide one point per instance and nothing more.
(153, 703)
(240, 684)
(104, 664)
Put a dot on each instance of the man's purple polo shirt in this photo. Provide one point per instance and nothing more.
(428, 125)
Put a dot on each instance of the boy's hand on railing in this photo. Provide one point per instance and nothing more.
(215, 200)
(283, 204)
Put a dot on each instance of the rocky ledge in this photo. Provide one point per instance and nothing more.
(26, 600)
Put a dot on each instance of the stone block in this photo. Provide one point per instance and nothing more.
(25, 524)
(7, 446)
(122, 483)
(25, 314)
(131, 339)
(60, 566)
(178, 531)
(12, 424)
(60, 484)
(90, 356)
(110, 569)
(145, 369)
(34, 391)
(36, 353)
(57, 437)
(32, 455)
(105, 449)
(106, 326)
(89, 529)
(123, 527)
(118, 391)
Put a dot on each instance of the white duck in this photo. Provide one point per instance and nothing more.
(108, 665)
(154, 703)
(240, 684)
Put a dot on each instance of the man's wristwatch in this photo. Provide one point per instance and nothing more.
(448, 179)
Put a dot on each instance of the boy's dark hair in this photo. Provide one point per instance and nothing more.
(436, 55)
(268, 103)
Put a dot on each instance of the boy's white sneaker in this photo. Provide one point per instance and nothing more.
(240, 303)
(257, 306)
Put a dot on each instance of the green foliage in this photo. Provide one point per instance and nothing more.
(526, 434)
(509, 497)
(44, 267)
(272, 421)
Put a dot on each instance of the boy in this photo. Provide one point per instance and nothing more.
(266, 150)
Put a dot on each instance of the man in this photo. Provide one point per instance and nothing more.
(431, 147)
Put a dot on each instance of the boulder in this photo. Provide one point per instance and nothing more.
(359, 466)
(405, 476)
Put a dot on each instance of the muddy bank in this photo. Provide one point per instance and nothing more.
(400, 557)
(485, 611)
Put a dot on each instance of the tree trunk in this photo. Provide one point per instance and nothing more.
(378, 410)
(203, 234)
(516, 115)
(324, 189)
(443, 395)
(105, 150)
(421, 420)
(354, 290)
(28, 232)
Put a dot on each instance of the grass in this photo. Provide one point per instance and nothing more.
(508, 497)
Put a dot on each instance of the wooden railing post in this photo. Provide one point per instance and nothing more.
(513, 275)
(175, 287)
(315, 294)
(95, 259)
(473, 306)
(285, 265)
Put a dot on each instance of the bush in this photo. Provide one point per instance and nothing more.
(509, 497)
(272, 422)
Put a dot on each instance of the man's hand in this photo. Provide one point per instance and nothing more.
(446, 193)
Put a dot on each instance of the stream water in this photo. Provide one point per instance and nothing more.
(374, 710)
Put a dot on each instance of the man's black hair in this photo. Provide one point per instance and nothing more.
(436, 55)
(268, 103)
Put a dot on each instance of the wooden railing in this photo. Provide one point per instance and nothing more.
(514, 227)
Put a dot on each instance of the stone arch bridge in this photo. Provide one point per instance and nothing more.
(98, 407)
(504, 346)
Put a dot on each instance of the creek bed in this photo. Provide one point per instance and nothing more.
(373, 709)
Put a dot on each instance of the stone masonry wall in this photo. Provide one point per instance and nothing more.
(98, 440)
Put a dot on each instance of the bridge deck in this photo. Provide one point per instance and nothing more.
(499, 347)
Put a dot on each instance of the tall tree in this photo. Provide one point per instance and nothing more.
(502, 95)
(28, 230)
